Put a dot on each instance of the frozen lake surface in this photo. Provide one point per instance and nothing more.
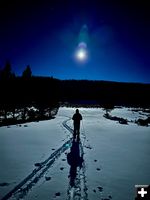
(115, 158)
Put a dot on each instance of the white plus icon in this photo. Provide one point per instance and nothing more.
(142, 192)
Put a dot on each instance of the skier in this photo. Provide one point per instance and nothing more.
(77, 117)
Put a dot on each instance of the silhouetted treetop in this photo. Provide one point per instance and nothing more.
(6, 72)
(27, 73)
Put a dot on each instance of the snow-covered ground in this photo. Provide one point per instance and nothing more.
(115, 158)
(129, 114)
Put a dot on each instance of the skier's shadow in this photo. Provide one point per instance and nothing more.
(74, 160)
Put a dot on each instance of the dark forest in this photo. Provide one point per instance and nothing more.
(47, 93)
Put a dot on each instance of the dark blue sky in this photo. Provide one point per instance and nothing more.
(46, 34)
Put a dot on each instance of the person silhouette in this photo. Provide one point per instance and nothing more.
(77, 117)
(75, 160)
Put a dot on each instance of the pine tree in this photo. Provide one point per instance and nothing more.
(6, 72)
(27, 73)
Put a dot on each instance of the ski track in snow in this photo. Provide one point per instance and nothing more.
(78, 192)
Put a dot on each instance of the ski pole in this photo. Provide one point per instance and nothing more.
(83, 128)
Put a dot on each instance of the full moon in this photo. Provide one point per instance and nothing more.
(81, 54)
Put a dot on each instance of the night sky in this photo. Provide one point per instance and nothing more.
(47, 35)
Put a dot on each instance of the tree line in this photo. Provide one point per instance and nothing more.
(105, 93)
(7, 74)
(21, 93)
(46, 93)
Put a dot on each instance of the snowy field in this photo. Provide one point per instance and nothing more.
(35, 166)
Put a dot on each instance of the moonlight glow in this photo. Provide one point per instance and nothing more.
(81, 54)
